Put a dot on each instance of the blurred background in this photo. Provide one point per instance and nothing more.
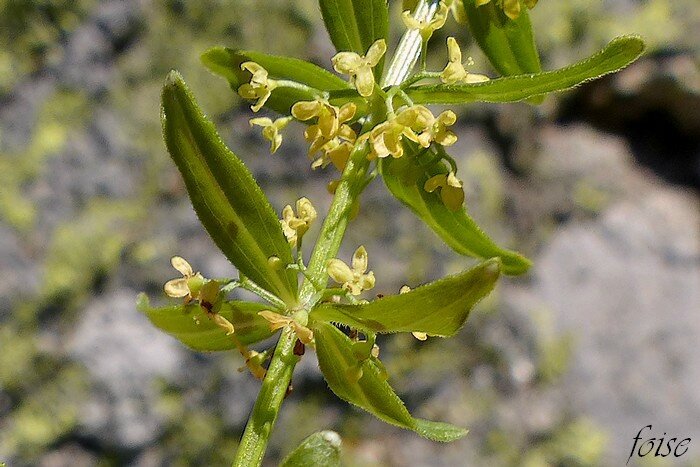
(564, 366)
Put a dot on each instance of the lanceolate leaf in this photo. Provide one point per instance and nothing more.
(355, 24)
(619, 53)
(455, 228)
(231, 206)
(438, 309)
(191, 325)
(509, 44)
(371, 391)
(321, 449)
(227, 63)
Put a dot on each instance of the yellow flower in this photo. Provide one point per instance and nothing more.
(359, 67)
(426, 28)
(438, 131)
(455, 72)
(327, 115)
(271, 130)
(510, 7)
(295, 226)
(385, 139)
(354, 279)
(260, 86)
(336, 152)
(451, 191)
(423, 128)
(278, 321)
(187, 286)
(193, 286)
(330, 134)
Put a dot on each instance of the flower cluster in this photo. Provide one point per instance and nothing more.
(418, 124)
(330, 135)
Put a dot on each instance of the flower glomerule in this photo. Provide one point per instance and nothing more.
(416, 123)
(330, 135)
(354, 279)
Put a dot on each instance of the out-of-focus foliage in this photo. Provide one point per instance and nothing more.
(32, 32)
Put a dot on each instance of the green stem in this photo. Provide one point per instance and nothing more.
(333, 229)
(279, 374)
(272, 299)
(274, 387)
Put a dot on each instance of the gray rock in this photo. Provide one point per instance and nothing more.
(628, 287)
(19, 272)
(124, 355)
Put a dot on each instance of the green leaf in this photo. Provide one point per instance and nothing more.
(405, 180)
(227, 63)
(508, 44)
(438, 309)
(321, 449)
(619, 53)
(371, 391)
(191, 325)
(354, 25)
(229, 203)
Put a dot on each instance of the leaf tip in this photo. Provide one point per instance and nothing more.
(439, 431)
(174, 79)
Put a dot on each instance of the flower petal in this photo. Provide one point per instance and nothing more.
(176, 288)
(182, 266)
(347, 63)
(376, 52)
(360, 260)
(339, 271)
(306, 110)
(364, 81)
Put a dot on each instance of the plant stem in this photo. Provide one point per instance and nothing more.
(279, 374)
(336, 221)
(274, 388)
